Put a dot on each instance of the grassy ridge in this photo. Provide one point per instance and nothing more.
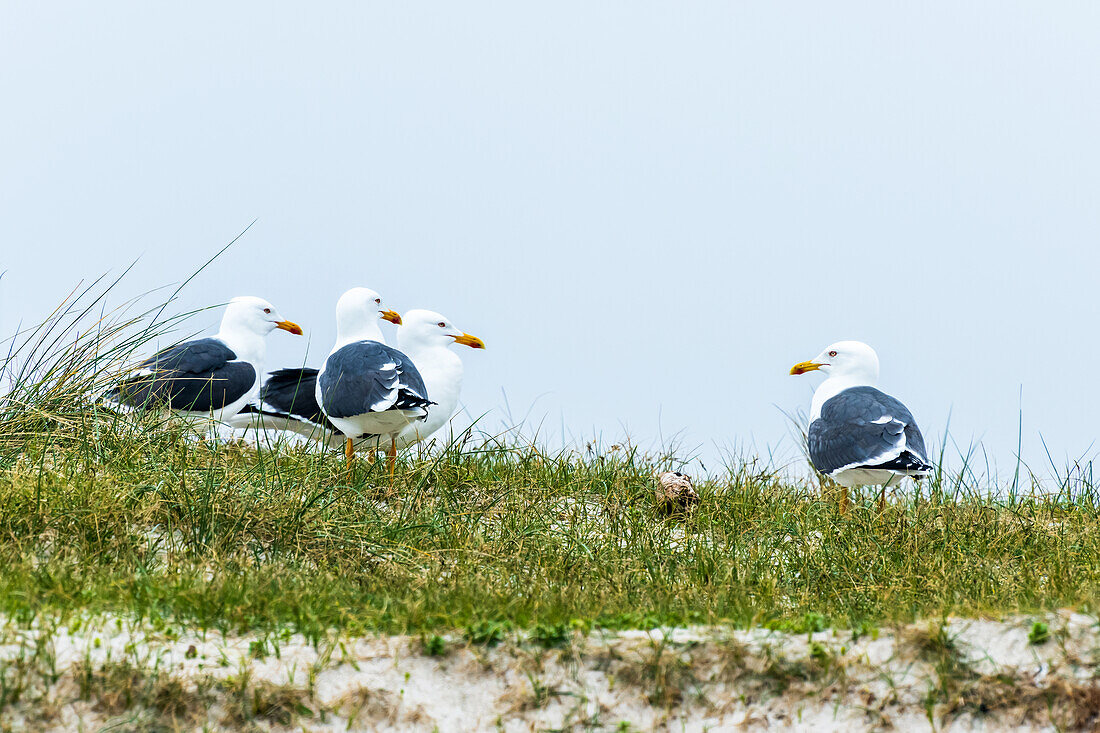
(136, 517)
(133, 515)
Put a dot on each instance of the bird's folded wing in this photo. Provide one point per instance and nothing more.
(367, 376)
(199, 375)
(864, 427)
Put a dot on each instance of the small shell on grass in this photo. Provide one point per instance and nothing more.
(675, 492)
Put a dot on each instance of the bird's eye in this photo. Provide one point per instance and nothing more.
(378, 301)
(441, 324)
(832, 353)
(267, 310)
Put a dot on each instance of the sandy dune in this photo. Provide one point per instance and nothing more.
(962, 675)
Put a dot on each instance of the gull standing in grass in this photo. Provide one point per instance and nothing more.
(366, 388)
(858, 435)
(288, 401)
(208, 377)
(426, 337)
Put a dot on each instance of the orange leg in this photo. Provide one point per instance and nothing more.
(349, 458)
(391, 454)
(843, 499)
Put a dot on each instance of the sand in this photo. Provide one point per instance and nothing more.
(959, 675)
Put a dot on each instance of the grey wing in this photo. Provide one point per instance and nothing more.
(292, 393)
(863, 427)
(200, 376)
(367, 376)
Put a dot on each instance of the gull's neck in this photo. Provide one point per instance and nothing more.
(349, 331)
(246, 343)
(833, 386)
(433, 358)
(441, 370)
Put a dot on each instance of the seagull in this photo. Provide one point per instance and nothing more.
(366, 388)
(288, 401)
(426, 337)
(209, 377)
(858, 435)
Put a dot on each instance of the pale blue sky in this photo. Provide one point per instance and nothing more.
(649, 211)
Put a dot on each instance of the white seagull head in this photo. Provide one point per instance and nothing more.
(357, 314)
(852, 361)
(424, 329)
(248, 314)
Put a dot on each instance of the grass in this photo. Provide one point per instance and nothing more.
(133, 515)
(1039, 633)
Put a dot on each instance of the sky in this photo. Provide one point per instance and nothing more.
(648, 211)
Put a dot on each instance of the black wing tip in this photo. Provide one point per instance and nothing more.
(268, 410)
(908, 462)
(293, 373)
(412, 403)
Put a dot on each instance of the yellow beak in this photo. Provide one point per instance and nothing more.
(472, 341)
(294, 328)
(805, 366)
(392, 317)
